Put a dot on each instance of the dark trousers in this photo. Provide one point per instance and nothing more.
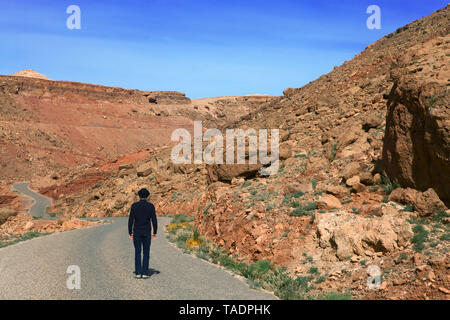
(141, 243)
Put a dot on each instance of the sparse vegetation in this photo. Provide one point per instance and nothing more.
(18, 238)
(260, 274)
(387, 185)
(419, 238)
(408, 208)
(333, 152)
(208, 206)
(402, 257)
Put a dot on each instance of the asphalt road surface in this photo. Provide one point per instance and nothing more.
(37, 269)
(41, 203)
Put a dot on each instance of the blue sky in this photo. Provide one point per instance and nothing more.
(200, 47)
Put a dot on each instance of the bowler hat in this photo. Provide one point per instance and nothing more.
(143, 193)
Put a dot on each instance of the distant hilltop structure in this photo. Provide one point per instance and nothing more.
(30, 73)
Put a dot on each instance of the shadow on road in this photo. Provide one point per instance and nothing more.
(151, 272)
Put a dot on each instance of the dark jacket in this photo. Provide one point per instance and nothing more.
(142, 217)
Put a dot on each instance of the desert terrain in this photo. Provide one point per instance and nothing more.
(364, 174)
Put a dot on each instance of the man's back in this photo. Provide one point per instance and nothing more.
(142, 217)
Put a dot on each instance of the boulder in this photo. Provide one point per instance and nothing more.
(366, 178)
(5, 213)
(144, 170)
(285, 150)
(226, 172)
(349, 234)
(352, 181)
(350, 170)
(126, 166)
(372, 120)
(338, 191)
(304, 187)
(328, 202)
(359, 187)
(425, 203)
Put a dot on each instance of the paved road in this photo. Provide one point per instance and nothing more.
(36, 269)
(41, 203)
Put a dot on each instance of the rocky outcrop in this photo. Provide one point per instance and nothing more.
(425, 203)
(349, 234)
(5, 213)
(30, 73)
(166, 97)
(416, 148)
(226, 172)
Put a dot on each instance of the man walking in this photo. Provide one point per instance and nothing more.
(142, 217)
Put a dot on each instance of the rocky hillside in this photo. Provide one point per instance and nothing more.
(51, 125)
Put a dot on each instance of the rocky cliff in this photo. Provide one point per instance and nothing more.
(416, 150)
(49, 125)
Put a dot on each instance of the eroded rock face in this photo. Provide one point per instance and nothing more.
(416, 149)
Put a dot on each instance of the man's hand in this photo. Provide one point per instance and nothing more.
(154, 237)
(131, 237)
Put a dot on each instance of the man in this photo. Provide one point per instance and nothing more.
(142, 217)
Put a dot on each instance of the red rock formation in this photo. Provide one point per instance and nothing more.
(47, 124)
(416, 150)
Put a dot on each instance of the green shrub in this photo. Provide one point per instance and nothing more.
(245, 184)
(311, 206)
(336, 296)
(333, 152)
(445, 237)
(27, 236)
(402, 257)
(387, 185)
(208, 206)
(440, 215)
(294, 289)
(295, 204)
(408, 208)
(320, 279)
(298, 212)
(313, 270)
(180, 218)
(196, 235)
(419, 238)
